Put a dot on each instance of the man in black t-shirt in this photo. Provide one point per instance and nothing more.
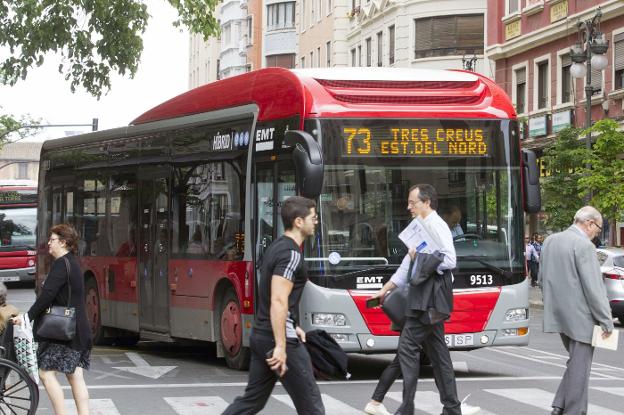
(275, 334)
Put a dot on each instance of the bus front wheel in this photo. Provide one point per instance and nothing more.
(231, 330)
(92, 301)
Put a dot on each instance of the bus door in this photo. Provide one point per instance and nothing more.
(154, 226)
(274, 182)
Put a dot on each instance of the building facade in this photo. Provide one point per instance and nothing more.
(20, 161)
(448, 34)
(529, 41)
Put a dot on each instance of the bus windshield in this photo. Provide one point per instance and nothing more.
(370, 167)
(17, 228)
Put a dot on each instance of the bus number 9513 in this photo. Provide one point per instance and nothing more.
(481, 279)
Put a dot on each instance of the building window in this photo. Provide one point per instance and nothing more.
(368, 52)
(328, 54)
(312, 59)
(312, 12)
(303, 15)
(391, 45)
(303, 61)
(542, 84)
(379, 48)
(329, 7)
(566, 79)
(596, 81)
(448, 36)
(618, 60)
(359, 55)
(318, 57)
(513, 6)
(249, 30)
(521, 91)
(227, 34)
(22, 170)
(353, 61)
(281, 16)
(281, 61)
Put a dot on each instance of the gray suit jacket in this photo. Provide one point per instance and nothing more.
(575, 297)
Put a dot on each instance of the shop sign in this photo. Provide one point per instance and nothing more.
(537, 126)
(512, 29)
(561, 120)
(558, 11)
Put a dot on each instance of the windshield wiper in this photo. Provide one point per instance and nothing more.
(506, 274)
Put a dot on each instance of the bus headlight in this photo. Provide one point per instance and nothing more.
(329, 319)
(516, 314)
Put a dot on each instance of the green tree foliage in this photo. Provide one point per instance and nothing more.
(605, 179)
(564, 162)
(95, 38)
(21, 127)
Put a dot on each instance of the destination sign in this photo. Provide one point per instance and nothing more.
(433, 140)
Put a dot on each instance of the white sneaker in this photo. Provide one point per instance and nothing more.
(376, 409)
(470, 410)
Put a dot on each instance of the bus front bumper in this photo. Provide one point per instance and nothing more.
(19, 274)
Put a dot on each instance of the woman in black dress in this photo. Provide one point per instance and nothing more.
(57, 356)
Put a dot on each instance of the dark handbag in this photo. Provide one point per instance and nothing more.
(395, 303)
(59, 322)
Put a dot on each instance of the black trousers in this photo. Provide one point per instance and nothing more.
(387, 378)
(414, 338)
(298, 381)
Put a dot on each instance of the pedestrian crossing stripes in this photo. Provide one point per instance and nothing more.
(542, 399)
(427, 402)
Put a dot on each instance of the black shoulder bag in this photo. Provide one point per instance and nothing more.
(59, 322)
(394, 303)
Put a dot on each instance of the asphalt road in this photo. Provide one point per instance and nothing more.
(157, 378)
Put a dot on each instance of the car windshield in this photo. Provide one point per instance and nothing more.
(618, 261)
(363, 204)
(17, 228)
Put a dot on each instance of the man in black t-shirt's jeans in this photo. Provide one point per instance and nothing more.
(283, 275)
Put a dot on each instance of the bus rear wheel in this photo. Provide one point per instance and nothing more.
(92, 300)
(231, 331)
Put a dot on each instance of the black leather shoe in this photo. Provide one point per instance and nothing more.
(556, 411)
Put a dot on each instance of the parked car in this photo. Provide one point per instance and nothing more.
(612, 266)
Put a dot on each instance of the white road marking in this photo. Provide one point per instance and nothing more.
(594, 364)
(197, 405)
(141, 367)
(460, 367)
(532, 359)
(425, 401)
(611, 390)
(96, 407)
(332, 405)
(542, 399)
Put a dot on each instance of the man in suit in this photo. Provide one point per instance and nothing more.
(575, 299)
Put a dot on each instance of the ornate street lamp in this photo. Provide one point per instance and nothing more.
(589, 52)
(469, 63)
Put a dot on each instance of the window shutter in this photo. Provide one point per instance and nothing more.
(619, 51)
(596, 81)
(521, 76)
(423, 34)
(566, 60)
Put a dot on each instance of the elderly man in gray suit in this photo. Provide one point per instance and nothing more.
(575, 299)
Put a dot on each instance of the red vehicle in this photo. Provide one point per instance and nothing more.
(18, 222)
(176, 210)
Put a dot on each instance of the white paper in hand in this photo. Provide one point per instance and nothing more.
(610, 343)
(416, 236)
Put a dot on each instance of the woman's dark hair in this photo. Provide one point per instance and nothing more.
(67, 234)
(295, 207)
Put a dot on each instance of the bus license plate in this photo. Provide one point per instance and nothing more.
(9, 279)
(459, 340)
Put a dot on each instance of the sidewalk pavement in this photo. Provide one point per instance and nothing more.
(535, 297)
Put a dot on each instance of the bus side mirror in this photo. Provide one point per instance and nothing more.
(530, 182)
(308, 162)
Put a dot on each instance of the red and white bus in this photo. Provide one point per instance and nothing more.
(176, 210)
(18, 223)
